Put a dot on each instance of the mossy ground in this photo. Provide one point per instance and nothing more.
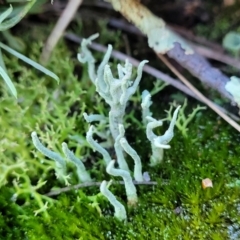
(177, 208)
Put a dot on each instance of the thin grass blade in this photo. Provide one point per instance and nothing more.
(5, 14)
(9, 82)
(29, 61)
(14, 20)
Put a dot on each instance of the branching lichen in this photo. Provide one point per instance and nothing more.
(96, 146)
(116, 92)
(129, 186)
(119, 209)
(61, 168)
(82, 173)
(159, 143)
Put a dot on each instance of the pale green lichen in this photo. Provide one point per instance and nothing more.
(233, 87)
(130, 188)
(116, 92)
(96, 146)
(86, 56)
(119, 209)
(231, 42)
(163, 39)
(94, 117)
(159, 143)
(61, 167)
(146, 103)
(160, 37)
(138, 176)
(82, 173)
(119, 151)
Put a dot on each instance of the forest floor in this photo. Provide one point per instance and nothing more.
(176, 205)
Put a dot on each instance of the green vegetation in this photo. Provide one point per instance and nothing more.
(9, 18)
(177, 208)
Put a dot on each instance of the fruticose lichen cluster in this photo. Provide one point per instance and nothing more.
(116, 92)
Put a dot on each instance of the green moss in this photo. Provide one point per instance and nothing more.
(177, 208)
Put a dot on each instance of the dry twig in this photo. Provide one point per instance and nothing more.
(219, 56)
(93, 184)
(59, 28)
(208, 102)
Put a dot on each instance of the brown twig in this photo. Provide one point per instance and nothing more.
(59, 28)
(199, 67)
(93, 184)
(219, 56)
(208, 102)
(216, 51)
(197, 39)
